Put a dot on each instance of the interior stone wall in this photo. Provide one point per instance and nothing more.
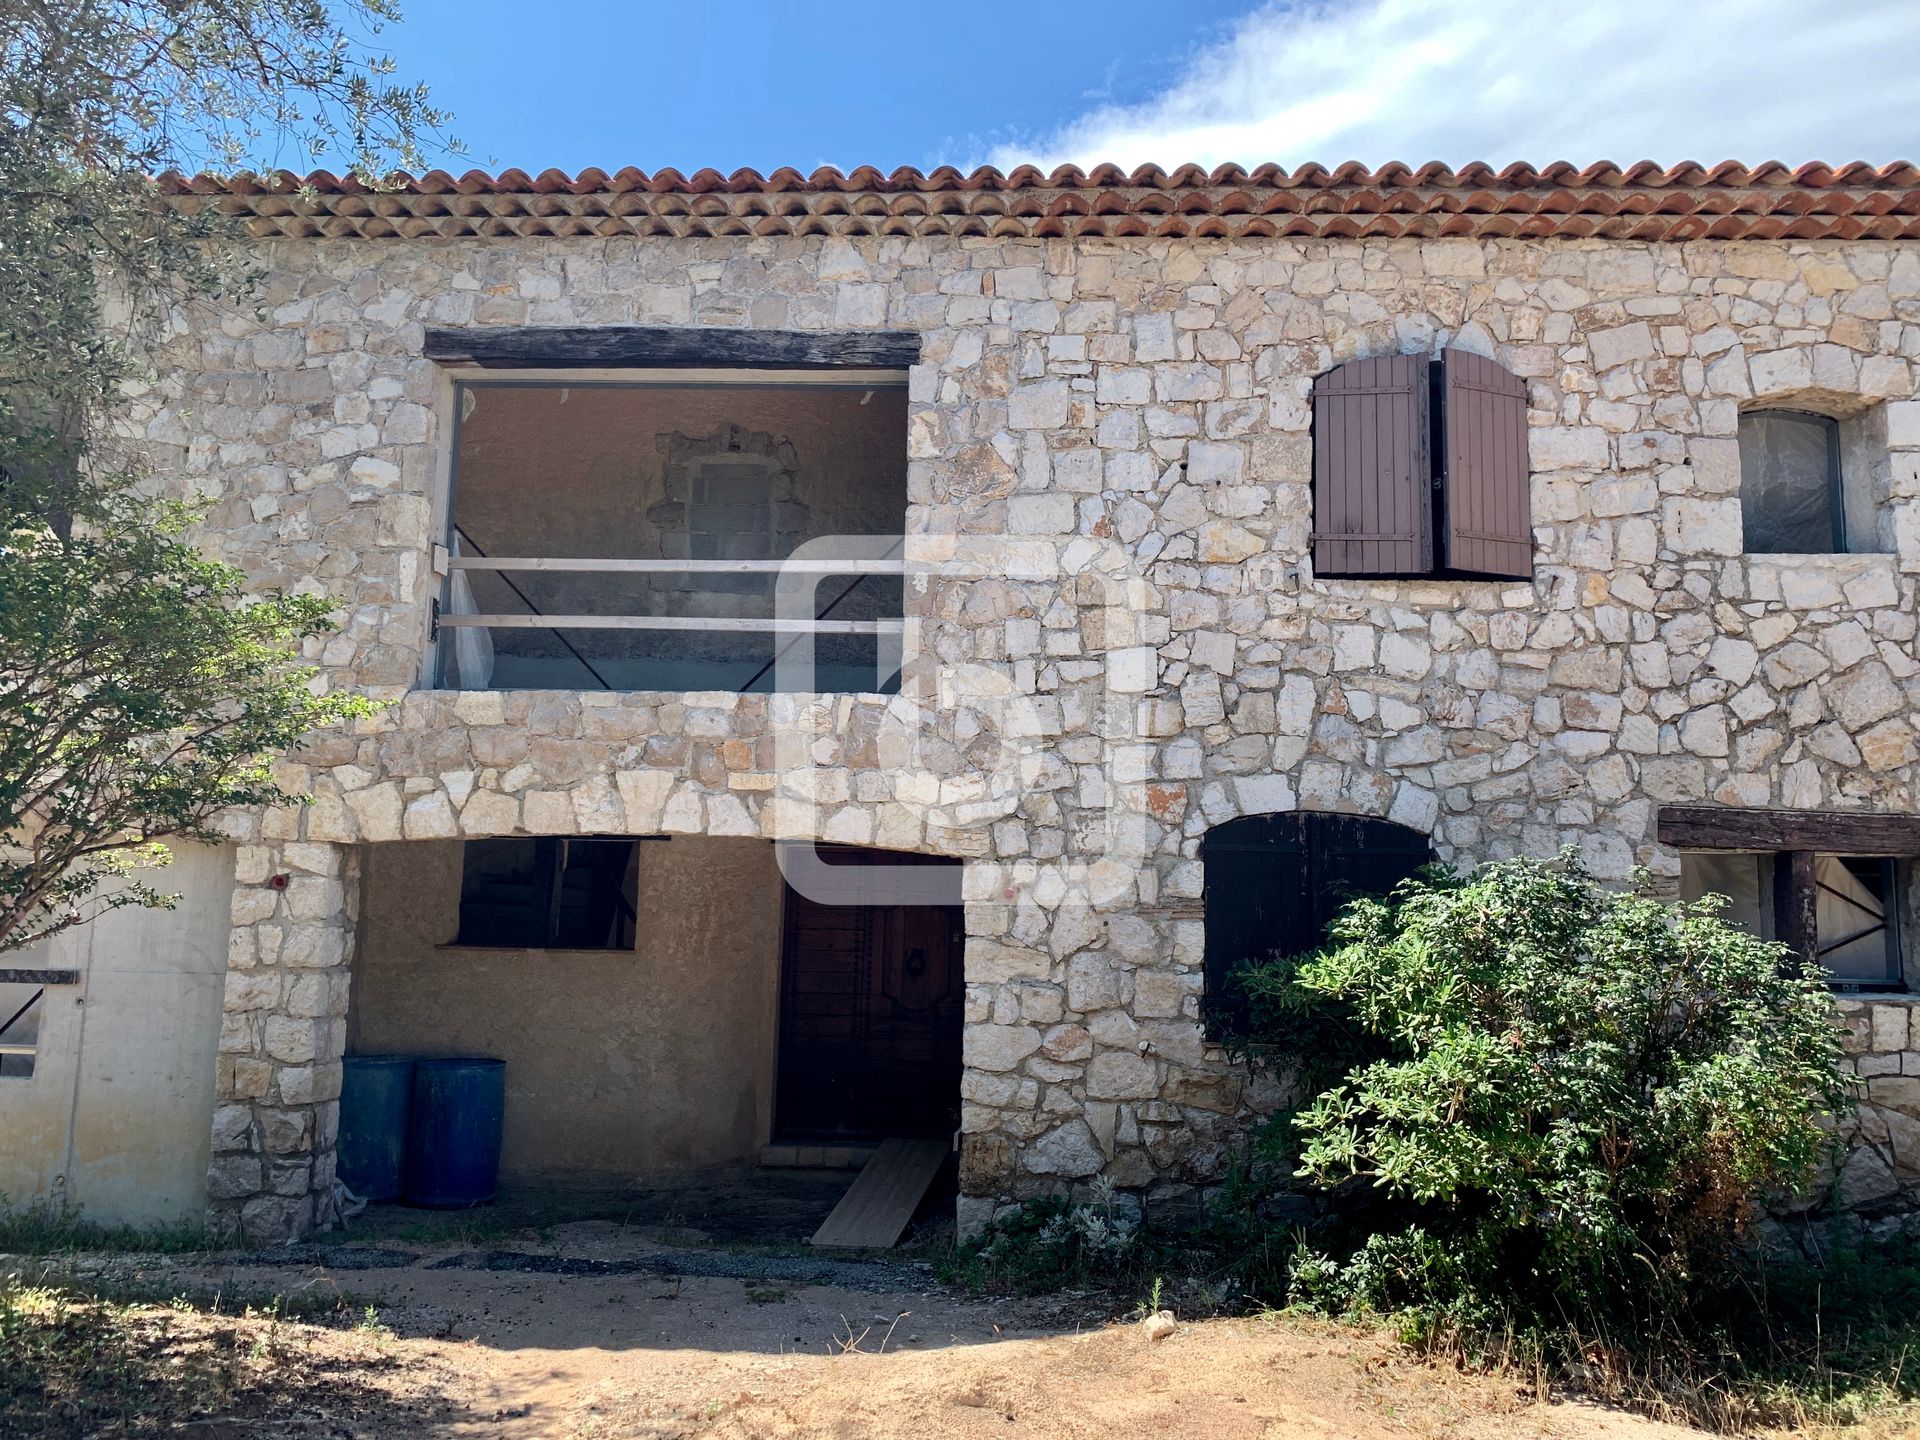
(1144, 406)
(604, 462)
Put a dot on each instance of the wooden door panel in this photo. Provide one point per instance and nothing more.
(872, 999)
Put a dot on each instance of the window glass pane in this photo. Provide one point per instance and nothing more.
(1786, 484)
(1855, 933)
(503, 893)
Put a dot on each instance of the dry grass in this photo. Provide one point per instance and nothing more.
(75, 1364)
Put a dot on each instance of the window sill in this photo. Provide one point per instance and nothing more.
(1821, 580)
(1838, 559)
(1461, 582)
(1876, 997)
(695, 698)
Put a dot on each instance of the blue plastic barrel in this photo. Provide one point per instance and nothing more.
(453, 1148)
(376, 1095)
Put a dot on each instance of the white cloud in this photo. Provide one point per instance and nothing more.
(1505, 80)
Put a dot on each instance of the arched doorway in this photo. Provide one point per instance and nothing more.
(1274, 881)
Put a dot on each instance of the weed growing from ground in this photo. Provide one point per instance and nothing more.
(43, 1227)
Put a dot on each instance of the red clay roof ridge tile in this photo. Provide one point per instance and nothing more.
(1643, 201)
(1476, 174)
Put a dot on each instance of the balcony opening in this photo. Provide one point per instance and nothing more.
(628, 534)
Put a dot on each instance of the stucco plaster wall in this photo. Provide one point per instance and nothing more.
(621, 1066)
(116, 1117)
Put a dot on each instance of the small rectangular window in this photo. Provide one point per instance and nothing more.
(548, 893)
(1790, 497)
(1857, 928)
(20, 1011)
(1857, 931)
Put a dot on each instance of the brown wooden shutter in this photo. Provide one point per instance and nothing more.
(1372, 469)
(1487, 511)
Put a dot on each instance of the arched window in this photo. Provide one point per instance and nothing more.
(1274, 881)
(1791, 499)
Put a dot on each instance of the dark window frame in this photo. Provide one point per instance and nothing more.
(1795, 840)
(1790, 887)
(545, 919)
(1836, 486)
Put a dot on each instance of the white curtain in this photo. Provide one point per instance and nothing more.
(472, 646)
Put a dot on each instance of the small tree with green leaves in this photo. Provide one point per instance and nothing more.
(143, 689)
(143, 693)
(1571, 1096)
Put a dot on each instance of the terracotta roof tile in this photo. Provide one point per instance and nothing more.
(1645, 201)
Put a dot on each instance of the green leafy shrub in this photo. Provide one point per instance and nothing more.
(1561, 1100)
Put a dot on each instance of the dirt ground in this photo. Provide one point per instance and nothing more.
(605, 1329)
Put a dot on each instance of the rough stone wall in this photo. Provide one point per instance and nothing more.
(277, 1092)
(1881, 1169)
(1149, 397)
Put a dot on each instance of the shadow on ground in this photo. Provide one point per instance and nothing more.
(698, 1312)
(757, 1208)
(720, 1265)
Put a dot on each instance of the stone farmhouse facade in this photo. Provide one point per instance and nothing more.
(1113, 436)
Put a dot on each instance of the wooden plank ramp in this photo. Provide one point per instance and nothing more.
(882, 1199)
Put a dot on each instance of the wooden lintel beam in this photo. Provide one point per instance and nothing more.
(1833, 832)
(669, 347)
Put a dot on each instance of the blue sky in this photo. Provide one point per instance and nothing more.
(572, 83)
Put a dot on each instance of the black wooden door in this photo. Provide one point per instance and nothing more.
(1274, 881)
(871, 1001)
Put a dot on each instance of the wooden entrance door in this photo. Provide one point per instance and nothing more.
(871, 1000)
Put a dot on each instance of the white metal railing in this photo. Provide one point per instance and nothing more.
(769, 624)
